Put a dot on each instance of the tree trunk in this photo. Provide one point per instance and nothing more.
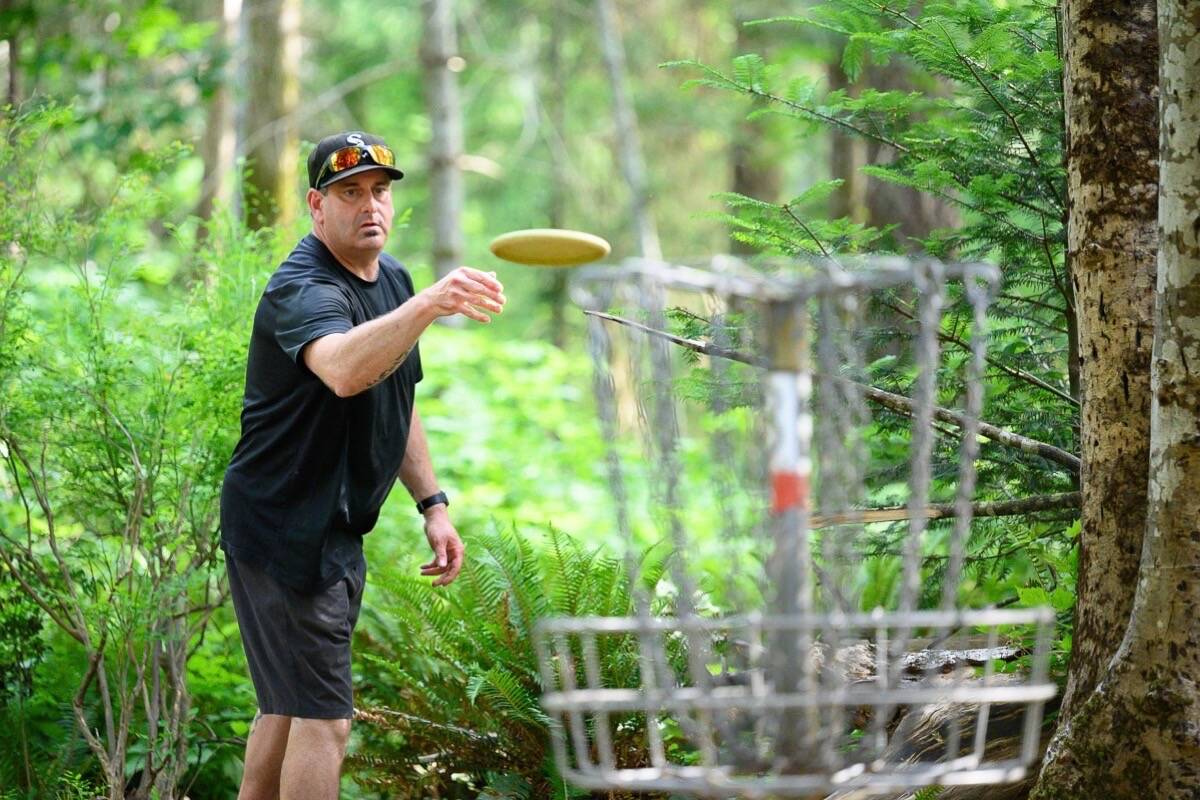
(1110, 77)
(847, 155)
(272, 97)
(914, 212)
(218, 147)
(629, 148)
(11, 30)
(1136, 735)
(439, 54)
(755, 153)
(555, 292)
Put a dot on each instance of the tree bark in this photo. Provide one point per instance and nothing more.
(757, 156)
(1136, 735)
(439, 47)
(629, 148)
(273, 93)
(1110, 77)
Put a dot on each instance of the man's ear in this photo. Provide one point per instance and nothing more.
(314, 200)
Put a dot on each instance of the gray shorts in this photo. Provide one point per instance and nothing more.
(297, 645)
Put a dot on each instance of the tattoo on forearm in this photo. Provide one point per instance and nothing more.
(395, 365)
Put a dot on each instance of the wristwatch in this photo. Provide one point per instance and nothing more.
(433, 500)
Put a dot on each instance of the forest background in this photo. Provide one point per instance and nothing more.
(151, 169)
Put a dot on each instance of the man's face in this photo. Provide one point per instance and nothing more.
(354, 215)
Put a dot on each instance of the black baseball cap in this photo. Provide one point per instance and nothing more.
(366, 151)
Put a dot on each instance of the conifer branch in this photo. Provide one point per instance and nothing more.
(992, 215)
(1033, 159)
(1033, 302)
(1028, 102)
(788, 209)
(1013, 372)
(774, 98)
(889, 400)
(885, 140)
(1062, 289)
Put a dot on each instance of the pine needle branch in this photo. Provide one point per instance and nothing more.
(1014, 372)
(1052, 190)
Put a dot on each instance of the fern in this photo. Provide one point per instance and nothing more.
(435, 662)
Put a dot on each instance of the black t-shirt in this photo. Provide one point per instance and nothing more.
(311, 470)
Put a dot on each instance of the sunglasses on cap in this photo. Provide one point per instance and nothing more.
(352, 155)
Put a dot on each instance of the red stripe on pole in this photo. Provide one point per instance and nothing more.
(788, 490)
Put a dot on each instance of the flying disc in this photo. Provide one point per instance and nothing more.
(549, 247)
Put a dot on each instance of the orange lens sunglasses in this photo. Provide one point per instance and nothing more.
(352, 156)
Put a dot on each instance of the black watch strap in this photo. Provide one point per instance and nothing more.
(433, 500)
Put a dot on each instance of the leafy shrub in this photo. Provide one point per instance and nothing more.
(118, 408)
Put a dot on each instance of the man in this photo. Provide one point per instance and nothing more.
(328, 424)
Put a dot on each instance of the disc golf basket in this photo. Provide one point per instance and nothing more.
(796, 645)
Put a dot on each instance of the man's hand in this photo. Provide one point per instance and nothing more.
(447, 548)
(469, 292)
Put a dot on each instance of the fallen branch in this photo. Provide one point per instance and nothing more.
(999, 508)
(889, 400)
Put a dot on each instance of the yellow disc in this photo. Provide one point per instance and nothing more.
(549, 247)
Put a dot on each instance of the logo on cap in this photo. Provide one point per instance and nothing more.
(355, 138)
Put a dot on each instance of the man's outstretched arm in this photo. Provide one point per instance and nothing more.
(416, 473)
(354, 361)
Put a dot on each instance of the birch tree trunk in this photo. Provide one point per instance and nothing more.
(1137, 735)
(629, 148)
(1110, 77)
(272, 97)
(439, 49)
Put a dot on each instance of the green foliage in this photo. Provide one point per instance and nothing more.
(451, 681)
(68, 786)
(986, 136)
(21, 644)
(117, 413)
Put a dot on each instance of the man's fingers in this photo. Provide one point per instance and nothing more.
(450, 574)
(457, 551)
(482, 301)
(474, 313)
(452, 566)
(472, 293)
(488, 279)
(481, 283)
